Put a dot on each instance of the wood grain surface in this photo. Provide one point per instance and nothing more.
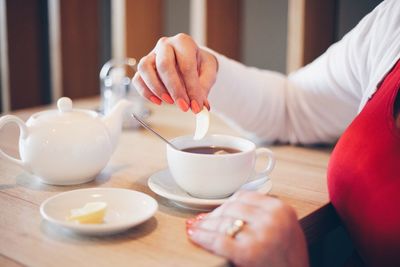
(25, 239)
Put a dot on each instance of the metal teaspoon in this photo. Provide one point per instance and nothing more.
(154, 132)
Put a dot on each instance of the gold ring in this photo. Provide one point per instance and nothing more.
(235, 228)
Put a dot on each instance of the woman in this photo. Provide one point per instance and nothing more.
(355, 81)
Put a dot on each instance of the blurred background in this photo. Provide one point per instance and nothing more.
(53, 48)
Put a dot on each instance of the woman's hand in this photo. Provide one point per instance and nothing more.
(177, 71)
(271, 235)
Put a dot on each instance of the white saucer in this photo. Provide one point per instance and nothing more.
(125, 209)
(164, 185)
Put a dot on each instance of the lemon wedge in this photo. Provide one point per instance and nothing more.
(91, 213)
(202, 124)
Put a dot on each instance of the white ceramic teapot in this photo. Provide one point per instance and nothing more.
(66, 146)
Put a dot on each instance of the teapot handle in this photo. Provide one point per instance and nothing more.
(23, 134)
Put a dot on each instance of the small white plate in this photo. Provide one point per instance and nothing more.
(164, 185)
(125, 209)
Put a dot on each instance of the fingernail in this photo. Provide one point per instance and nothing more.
(155, 100)
(201, 216)
(207, 104)
(167, 98)
(182, 104)
(195, 106)
(189, 222)
(189, 231)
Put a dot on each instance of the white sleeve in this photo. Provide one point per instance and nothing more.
(312, 105)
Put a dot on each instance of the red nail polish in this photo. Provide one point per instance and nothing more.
(189, 231)
(167, 98)
(201, 216)
(182, 104)
(155, 100)
(189, 222)
(195, 106)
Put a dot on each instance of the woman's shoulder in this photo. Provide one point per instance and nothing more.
(377, 39)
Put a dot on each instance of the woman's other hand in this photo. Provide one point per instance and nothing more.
(270, 236)
(177, 71)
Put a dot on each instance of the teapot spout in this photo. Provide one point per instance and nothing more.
(113, 120)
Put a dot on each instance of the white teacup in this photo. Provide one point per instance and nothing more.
(215, 176)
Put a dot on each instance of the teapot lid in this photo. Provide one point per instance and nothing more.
(64, 112)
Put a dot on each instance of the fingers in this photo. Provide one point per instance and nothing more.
(143, 90)
(177, 71)
(211, 233)
(237, 210)
(221, 225)
(264, 202)
(215, 242)
(268, 237)
(186, 57)
(147, 72)
(168, 73)
(271, 208)
(207, 71)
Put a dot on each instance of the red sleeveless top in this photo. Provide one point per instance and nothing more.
(364, 177)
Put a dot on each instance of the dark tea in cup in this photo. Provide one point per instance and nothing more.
(211, 150)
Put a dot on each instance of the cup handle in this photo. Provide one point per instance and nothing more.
(23, 134)
(262, 151)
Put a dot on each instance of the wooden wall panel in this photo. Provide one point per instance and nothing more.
(319, 26)
(105, 31)
(144, 20)
(27, 50)
(80, 47)
(224, 27)
(311, 30)
(1, 83)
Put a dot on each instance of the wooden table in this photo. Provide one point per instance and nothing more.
(25, 239)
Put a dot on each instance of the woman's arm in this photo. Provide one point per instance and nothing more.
(317, 102)
(311, 105)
